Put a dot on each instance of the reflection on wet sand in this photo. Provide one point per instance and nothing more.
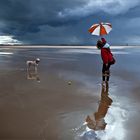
(96, 121)
(33, 75)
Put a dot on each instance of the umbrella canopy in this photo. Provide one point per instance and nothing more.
(100, 29)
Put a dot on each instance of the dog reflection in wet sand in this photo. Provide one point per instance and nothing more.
(32, 71)
(96, 121)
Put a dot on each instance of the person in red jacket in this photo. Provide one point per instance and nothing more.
(107, 58)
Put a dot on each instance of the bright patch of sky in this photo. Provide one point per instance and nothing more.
(8, 40)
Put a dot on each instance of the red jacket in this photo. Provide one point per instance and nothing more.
(106, 55)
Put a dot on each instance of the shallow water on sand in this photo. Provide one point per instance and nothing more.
(65, 99)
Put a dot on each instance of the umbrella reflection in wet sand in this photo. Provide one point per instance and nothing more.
(97, 121)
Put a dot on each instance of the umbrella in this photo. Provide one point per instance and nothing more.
(100, 29)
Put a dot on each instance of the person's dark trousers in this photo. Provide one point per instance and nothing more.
(105, 72)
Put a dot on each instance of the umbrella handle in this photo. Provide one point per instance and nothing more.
(101, 36)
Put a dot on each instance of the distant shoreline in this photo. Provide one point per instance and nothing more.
(63, 47)
(43, 46)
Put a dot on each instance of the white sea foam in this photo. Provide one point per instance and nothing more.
(6, 53)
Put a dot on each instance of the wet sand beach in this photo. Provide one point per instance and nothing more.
(65, 99)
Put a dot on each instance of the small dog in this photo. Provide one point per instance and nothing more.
(33, 64)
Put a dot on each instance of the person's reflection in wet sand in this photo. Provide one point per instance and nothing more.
(96, 121)
(33, 75)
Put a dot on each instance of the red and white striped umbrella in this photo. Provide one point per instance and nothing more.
(100, 29)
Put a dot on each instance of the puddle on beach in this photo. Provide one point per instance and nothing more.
(65, 99)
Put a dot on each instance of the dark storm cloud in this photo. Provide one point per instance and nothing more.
(112, 7)
(67, 21)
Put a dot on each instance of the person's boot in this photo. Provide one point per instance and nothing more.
(103, 76)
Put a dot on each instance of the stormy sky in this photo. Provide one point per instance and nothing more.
(57, 22)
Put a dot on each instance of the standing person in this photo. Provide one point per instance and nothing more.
(107, 58)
